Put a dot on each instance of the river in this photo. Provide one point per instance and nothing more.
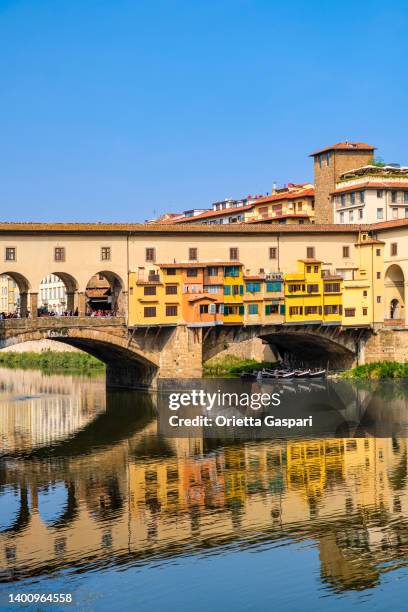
(95, 502)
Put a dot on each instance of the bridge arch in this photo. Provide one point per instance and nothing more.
(106, 292)
(298, 345)
(52, 297)
(128, 363)
(394, 294)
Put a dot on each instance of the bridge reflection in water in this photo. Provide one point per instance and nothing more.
(107, 489)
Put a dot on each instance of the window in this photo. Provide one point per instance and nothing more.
(379, 193)
(203, 308)
(295, 310)
(11, 254)
(150, 254)
(320, 159)
(378, 274)
(272, 252)
(351, 215)
(105, 253)
(309, 269)
(406, 213)
(59, 254)
(171, 271)
(171, 289)
(346, 251)
(364, 293)
(378, 299)
(192, 272)
(149, 311)
(237, 289)
(213, 271)
(272, 287)
(253, 309)
(343, 199)
(332, 309)
(365, 311)
(253, 287)
(233, 254)
(231, 271)
(394, 249)
(227, 289)
(310, 252)
(360, 213)
(313, 310)
(192, 254)
(394, 197)
(150, 290)
(378, 252)
(171, 311)
(313, 288)
(395, 213)
(352, 198)
(332, 287)
(316, 269)
(405, 196)
(212, 288)
(342, 217)
(349, 312)
(271, 309)
(362, 197)
(380, 213)
(295, 288)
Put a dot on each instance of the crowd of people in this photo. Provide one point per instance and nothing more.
(44, 312)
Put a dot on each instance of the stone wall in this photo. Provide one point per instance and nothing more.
(254, 348)
(183, 354)
(386, 345)
(38, 346)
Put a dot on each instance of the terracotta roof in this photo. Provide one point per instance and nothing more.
(141, 229)
(287, 195)
(372, 185)
(345, 146)
(203, 296)
(102, 292)
(212, 213)
(199, 264)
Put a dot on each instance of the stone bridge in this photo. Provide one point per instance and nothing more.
(140, 356)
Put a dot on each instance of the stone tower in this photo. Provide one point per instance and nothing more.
(329, 164)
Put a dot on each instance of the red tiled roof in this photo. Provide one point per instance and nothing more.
(212, 213)
(287, 195)
(372, 185)
(345, 146)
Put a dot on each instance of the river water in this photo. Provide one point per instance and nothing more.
(95, 502)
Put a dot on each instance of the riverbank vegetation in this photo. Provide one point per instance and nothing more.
(378, 370)
(52, 361)
(231, 366)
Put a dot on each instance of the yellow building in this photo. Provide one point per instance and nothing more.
(312, 295)
(351, 296)
(363, 284)
(233, 293)
(155, 298)
(292, 205)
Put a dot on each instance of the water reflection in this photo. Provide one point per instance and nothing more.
(109, 490)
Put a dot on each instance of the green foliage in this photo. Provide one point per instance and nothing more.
(231, 366)
(377, 161)
(52, 361)
(378, 370)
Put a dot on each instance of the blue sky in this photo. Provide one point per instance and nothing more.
(114, 110)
